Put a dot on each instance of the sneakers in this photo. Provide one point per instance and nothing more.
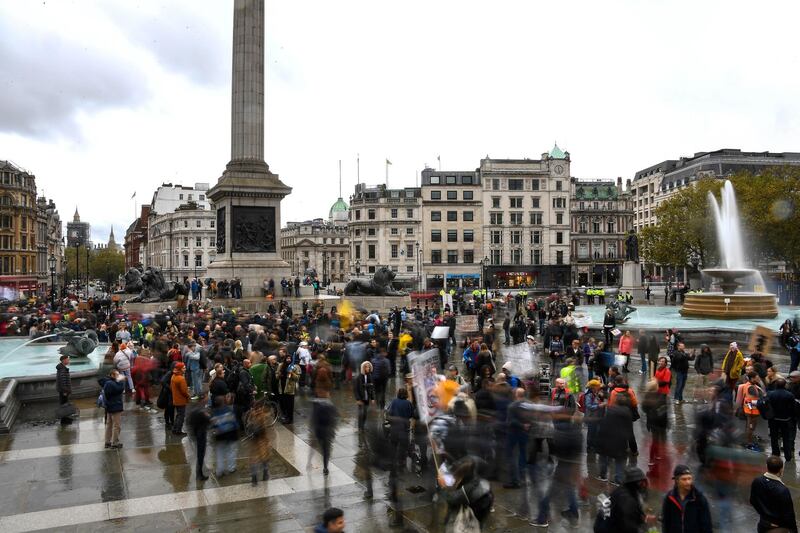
(108, 445)
(571, 517)
(117, 445)
(603, 479)
(194, 398)
(540, 523)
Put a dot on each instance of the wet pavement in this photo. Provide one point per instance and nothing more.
(62, 479)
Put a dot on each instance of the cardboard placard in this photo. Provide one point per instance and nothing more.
(467, 323)
(524, 360)
(760, 340)
(424, 366)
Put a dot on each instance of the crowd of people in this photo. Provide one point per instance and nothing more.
(470, 417)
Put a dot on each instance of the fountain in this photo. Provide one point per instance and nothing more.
(728, 303)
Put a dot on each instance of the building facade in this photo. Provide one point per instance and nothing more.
(384, 230)
(317, 244)
(18, 232)
(601, 217)
(136, 240)
(451, 244)
(49, 243)
(526, 220)
(182, 242)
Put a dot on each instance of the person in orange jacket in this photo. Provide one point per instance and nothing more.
(180, 397)
(625, 347)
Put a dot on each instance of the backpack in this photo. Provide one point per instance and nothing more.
(764, 407)
(602, 521)
(582, 402)
(101, 399)
(634, 410)
(224, 422)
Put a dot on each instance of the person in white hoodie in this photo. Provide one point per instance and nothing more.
(304, 360)
(122, 362)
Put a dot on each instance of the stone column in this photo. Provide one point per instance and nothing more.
(247, 109)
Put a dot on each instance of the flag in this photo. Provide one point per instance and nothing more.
(133, 195)
(388, 162)
(439, 158)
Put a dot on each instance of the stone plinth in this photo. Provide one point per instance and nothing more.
(382, 304)
(632, 280)
(722, 306)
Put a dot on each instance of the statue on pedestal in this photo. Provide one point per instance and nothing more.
(632, 247)
(379, 285)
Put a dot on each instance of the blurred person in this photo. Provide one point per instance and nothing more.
(642, 347)
(199, 420)
(468, 489)
(772, 500)
(180, 397)
(288, 377)
(323, 424)
(627, 511)
(380, 376)
(517, 438)
(594, 403)
(256, 426)
(333, 518)
(625, 347)
(656, 412)
(226, 437)
(613, 436)
(364, 392)
(783, 424)
(685, 509)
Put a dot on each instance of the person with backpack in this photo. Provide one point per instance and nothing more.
(256, 431)
(772, 500)
(680, 369)
(226, 437)
(622, 394)
(470, 494)
(288, 378)
(613, 437)
(180, 398)
(245, 392)
(624, 511)
(685, 508)
(113, 387)
(592, 404)
(704, 364)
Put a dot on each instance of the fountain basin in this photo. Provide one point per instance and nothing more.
(728, 277)
(727, 306)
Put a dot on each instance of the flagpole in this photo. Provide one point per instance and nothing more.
(358, 169)
(387, 172)
(340, 178)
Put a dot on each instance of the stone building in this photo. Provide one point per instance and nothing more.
(18, 224)
(181, 242)
(451, 244)
(318, 244)
(526, 220)
(49, 243)
(384, 229)
(136, 240)
(601, 216)
(79, 233)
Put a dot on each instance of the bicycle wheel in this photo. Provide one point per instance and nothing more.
(273, 412)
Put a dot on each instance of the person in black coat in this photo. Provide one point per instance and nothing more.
(627, 513)
(615, 430)
(782, 426)
(113, 387)
(63, 384)
(199, 420)
(685, 508)
(364, 392)
(772, 500)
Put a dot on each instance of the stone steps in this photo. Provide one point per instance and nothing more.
(9, 404)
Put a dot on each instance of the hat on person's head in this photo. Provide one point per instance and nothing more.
(594, 383)
(633, 475)
(734, 345)
(410, 375)
(506, 365)
(123, 346)
(452, 367)
(303, 343)
(179, 366)
(531, 338)
(681, 470)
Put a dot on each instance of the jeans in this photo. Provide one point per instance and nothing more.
(180, 414)
(197, 381)
(680, 383)
(362, 414)
(127, 374)
(563, 483)
(795, 360)
(644, 362)
(619, 467)
(520, 441)
(201, 452)
(226, 456)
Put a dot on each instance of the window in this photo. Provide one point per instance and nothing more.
(371, 251)
(583, 250)
(515, 218)
(190, 197)
(435, 180)
(24, 242)
(436, 256)
(450, 180)
(5, 222)
(452, 216)
(496, 257)
(394, 231)
(24, 265)
(535, 202)
(495, 202)
(611, 249)
(452, 235)
(370, 232)
(358, 233)
(536, 237)
(536, 219)
(436, 235)
(536, 257)
(394, 213)
(409, 213)
(468, 195)
(409, 250)
(198, 241)
(202, 197)
(371, 269)
(180, 197)
(558, 185)
(410, 268)
(467, 216)
(559, 218)
(610, 226)
(371, 214)
(358, 214)
(436, 195)
(212, 242)
(452, 195)
(469, 235)
(516, 256)
(516, 237)
(185, 223)
(496, 219)
(198, 260)
(534, 185)
(595, 226)
(358, 251)
(452, 256)
(496, 237)
(186, 260)
(515, 184)
(394, 251)
(582, 226)
(436, 216)
(559, 257)
(409, 231)
(212, 223)
(516, 202)
(469, 256)
(559, 203)
(186, 242)
(559, 237)
(495, 184)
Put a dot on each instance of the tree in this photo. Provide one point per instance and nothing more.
(685, 227)
(103, 264)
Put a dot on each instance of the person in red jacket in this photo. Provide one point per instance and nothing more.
(180, 398)
(663, 376)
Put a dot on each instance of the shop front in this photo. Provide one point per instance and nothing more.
(17, 287)
(542, 277)
(453, 281)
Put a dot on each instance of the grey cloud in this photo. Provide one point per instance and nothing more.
(182, 38)
(47, 82)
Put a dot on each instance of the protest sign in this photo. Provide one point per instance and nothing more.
(760, 340)
(424, 366)
(523, 358)
(467, 323)
(440, 332)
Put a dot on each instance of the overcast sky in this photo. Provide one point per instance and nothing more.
(101, 99)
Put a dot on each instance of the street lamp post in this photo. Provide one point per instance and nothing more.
(77, 270)
(52, 263)
(324, 265)
(419, 270)
(484, 268)
(358, 268)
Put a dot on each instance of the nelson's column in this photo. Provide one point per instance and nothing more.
(248, 196)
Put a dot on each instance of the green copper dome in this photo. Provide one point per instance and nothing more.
(557, 153)
(338, 207)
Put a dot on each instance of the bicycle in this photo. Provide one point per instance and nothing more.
(273, 411)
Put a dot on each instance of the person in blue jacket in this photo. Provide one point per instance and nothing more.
(113, 388)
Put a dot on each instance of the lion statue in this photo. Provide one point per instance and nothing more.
(156, 289)
(379, 285)
(79, 344)
(133, 281)
(310, 273)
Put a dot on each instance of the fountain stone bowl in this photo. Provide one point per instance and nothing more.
(730, 304)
